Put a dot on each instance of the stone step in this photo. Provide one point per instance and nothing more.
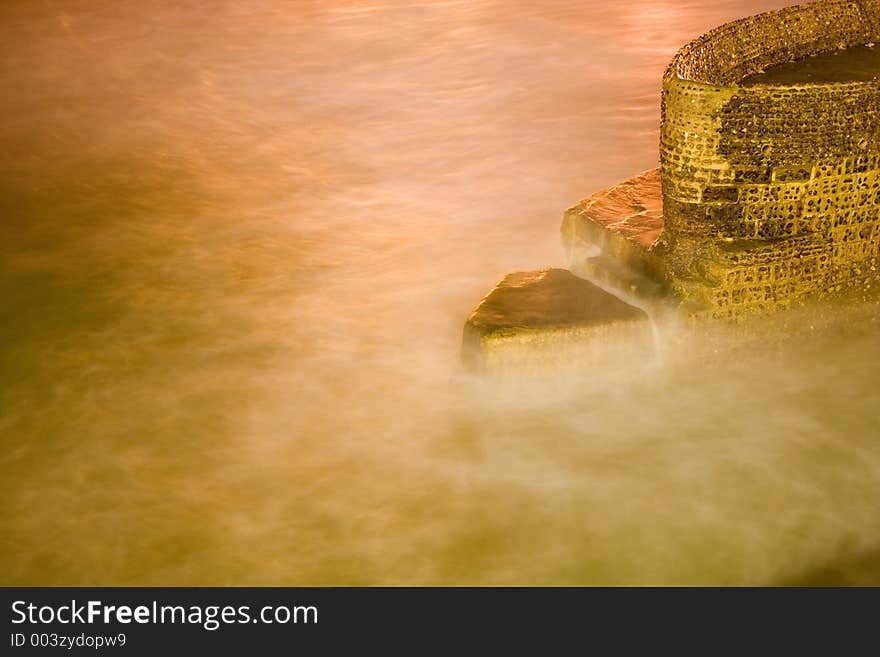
(550, 321)
(624, 222)
(612, 239)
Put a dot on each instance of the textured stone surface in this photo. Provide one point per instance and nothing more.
(611, 236)
(550, 319)
(633, 209)
(771, 191)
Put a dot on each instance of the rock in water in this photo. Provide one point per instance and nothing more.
(550, 321)
(612, 237)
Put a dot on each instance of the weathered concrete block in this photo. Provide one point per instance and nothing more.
(550, 321)
(612, 237)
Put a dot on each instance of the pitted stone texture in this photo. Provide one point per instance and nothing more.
(550, 320)
(771, 191)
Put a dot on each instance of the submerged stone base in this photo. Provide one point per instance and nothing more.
(551, 320)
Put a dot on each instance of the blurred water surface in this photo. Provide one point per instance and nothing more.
(239, 240)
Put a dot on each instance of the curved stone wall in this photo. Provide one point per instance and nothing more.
(771, 193)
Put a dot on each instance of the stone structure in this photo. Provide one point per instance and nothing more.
(768, 193)
(551, 320)
(771, 193)
(612, 238)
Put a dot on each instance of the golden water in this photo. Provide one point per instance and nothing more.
(239, 241)
(842, 65)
